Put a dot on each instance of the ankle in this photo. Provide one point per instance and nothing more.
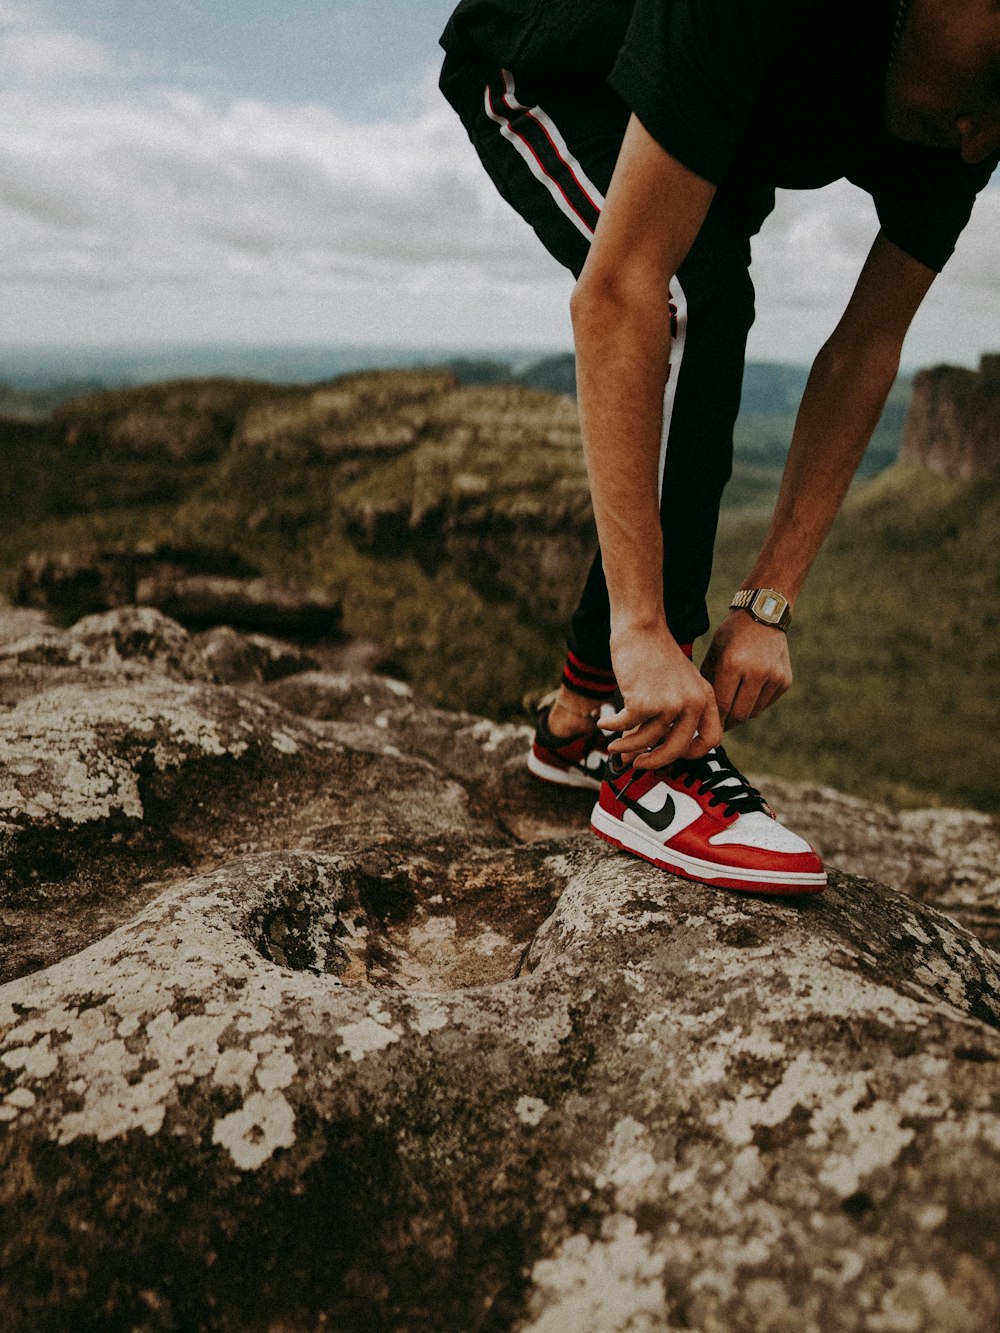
(572, 714)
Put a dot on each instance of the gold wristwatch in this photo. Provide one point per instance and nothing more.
(765, 605)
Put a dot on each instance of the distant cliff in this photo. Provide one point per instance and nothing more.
(953, 424)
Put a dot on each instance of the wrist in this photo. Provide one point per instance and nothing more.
(638, 626)
(785, 571)
(647, 639)
(766, 605)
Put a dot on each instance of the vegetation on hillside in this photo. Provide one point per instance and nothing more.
(895, 645)
(272, 474)
(895, 641)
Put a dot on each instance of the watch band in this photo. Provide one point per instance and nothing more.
(766, 605)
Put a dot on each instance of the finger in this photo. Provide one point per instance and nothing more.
(711, 663)
(744, 702)
(709, 733)
(768, 697)
(673, 746)
(652, 732)
(726, 684)
(620, 721)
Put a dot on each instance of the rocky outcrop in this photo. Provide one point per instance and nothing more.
(953, 423)
(77, 584)
(321, 1014)
(196, 587)
(250, 604)
(948, 858)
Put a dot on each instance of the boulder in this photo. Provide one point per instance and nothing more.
(17, 622)
(118, 772)
(240, 658)
(336, 1074)
(949, 858)
(335, 1020)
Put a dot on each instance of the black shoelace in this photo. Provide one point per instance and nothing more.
(718, 775)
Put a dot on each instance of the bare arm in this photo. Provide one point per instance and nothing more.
(654, 210)
(748, 663)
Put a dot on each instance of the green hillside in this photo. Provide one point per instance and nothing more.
(769, 403)
(264, 471)
(896, 645)
(422, 504)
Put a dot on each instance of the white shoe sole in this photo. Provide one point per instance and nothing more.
(747, 879)
(561, 777)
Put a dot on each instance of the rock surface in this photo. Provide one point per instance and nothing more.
(948, 858)
(321, 1014)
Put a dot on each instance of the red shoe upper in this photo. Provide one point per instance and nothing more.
(706, 809)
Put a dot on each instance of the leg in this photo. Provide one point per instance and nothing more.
(552, 163)
(706, 377)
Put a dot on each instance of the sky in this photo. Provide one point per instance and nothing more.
(230, 171)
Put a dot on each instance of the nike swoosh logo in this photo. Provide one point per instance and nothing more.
(658, 820)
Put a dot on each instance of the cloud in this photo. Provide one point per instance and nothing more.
(33, 50)
(807, 260)
(168, 188)
(47, 55)
(249, 180)
(144, 212)
(976, 262)
(15, 15)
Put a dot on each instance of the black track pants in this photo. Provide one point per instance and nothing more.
(551, 158)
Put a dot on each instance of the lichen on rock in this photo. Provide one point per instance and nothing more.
(361, 1013)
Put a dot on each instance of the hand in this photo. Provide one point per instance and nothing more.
(749, 666)
(669, 708)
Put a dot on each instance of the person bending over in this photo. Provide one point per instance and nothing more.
(643, 141)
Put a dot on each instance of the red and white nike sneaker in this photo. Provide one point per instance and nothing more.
(702, 819)
(574, 761)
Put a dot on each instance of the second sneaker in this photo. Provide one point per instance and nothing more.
(573, 761)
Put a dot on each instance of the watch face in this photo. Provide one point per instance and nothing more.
(769, 606)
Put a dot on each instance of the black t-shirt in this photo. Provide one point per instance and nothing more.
(772, 93)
